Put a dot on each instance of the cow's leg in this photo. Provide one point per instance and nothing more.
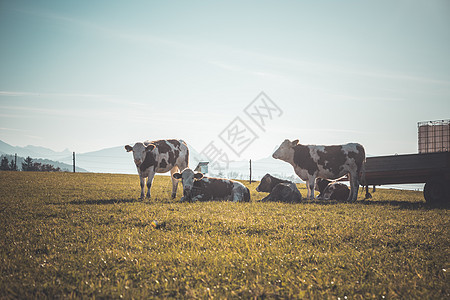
(266, 198)
(356, 183)
(308, 194)
(354, 186)
(142, 187)
(312, 183)
(151, 175)
(174, 182)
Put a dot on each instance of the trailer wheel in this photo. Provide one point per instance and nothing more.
(436, 191)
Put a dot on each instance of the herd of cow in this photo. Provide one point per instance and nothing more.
(314, 164)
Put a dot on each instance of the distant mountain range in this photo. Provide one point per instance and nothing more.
(117, 160)
(63, 166)
(33, 151)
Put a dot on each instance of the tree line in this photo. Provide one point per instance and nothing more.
(27, 165)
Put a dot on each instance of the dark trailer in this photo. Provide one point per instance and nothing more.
(430, 166)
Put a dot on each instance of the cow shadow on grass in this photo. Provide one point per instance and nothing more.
(121, 200)
(405, 205)
(103, 201)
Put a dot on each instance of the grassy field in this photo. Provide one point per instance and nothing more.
(65, 235)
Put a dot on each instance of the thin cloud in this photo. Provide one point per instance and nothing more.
(13, 129)
(398, 76)
(366, 99)
(23, 132)
(115, 33)
(285, 129)
(98, 97)
(294, 66)
(77, 113)
(37, 94)
(226, 66)
(36, 110)
(89, 26)
(235, 68)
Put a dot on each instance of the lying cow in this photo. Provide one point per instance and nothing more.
(280, 190)
(159, 157)
(331, 190)
(330, 162)
(197, 187)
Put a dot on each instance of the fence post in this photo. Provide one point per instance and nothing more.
(250, 171)
(74, 161)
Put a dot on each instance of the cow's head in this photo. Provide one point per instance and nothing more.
(321, 184)
(286, 150)
(139, 152)
(187, 177)
(265, 185)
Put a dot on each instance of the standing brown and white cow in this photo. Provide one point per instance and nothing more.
(160, 156)
(330, 162)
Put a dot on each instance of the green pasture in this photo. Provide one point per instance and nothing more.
(66, 235)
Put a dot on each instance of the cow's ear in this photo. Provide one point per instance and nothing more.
(176, 175)
(149, 148)
(128, 148)
(295, 143)
(198, 176)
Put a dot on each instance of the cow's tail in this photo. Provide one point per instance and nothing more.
(362, 168)
(362, 174)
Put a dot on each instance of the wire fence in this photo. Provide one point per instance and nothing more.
(124, 164)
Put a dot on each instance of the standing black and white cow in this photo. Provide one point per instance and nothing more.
(197, 187)
(160, 156)
(330, 162)
(280, 190)
(331, 190)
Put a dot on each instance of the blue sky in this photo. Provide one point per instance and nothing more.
(87, 75)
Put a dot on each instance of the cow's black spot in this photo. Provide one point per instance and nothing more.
(186, 158)
(149, 161)
(212, 188)
(173, 156)
(333, 159)
(163, 146)
(163, 164)
(175, 143)
(303, 159)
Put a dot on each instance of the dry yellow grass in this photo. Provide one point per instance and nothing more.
(87, 235)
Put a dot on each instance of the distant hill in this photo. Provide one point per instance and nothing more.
(63, 166)
(109, 160)
(33, 151)
(117, 160)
